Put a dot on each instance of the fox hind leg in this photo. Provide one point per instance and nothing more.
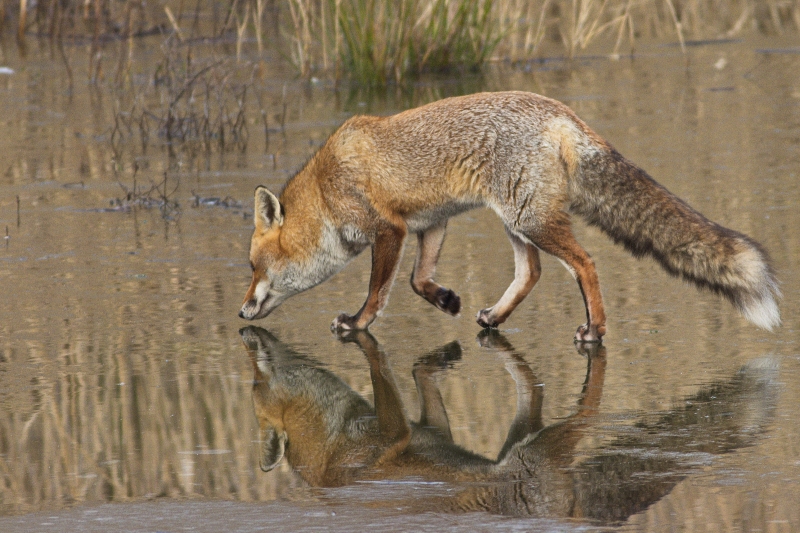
(556, 239)
(429, 244)
(527, 270)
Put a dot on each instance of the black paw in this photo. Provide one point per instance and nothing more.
(448, 301)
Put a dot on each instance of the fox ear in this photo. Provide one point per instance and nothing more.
(268, 210)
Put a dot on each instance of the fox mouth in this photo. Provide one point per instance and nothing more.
(262, 313)
(252, 310)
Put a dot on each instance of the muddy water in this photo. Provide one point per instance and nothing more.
(124, 380)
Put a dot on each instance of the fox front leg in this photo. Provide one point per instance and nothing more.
(386, 253)
(428, 248)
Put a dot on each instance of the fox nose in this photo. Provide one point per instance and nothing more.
(246, 311)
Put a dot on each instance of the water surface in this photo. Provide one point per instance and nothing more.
(126, 393)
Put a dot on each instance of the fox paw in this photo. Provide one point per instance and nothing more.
(448, 301)
(342, 322)
(485, 319)
(590, 333)
(345, 322)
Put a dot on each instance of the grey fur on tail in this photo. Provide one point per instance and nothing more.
(622, 200)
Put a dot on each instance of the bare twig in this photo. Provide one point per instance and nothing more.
(174, 23)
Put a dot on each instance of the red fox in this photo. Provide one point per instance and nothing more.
(526, 157)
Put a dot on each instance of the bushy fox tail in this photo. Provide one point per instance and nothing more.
(628, 205)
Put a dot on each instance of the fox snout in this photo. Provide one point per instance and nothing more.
(261, 299)
(252, 309)
(253, 304)
(249, 310)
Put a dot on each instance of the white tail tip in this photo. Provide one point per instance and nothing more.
(764, 313)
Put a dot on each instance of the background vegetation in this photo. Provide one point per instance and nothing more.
(383, 41)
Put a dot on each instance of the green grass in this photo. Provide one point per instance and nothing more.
(390, 41)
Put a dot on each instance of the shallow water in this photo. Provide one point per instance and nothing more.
(124, 380)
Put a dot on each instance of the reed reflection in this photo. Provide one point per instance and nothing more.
(331, 436)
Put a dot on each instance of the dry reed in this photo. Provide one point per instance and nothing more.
(156, 195)
(379, 41)
(202, 102)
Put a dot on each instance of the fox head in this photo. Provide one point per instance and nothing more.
(267, 259)
(292, 253)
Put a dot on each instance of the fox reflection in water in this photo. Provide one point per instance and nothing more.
(331, 436)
